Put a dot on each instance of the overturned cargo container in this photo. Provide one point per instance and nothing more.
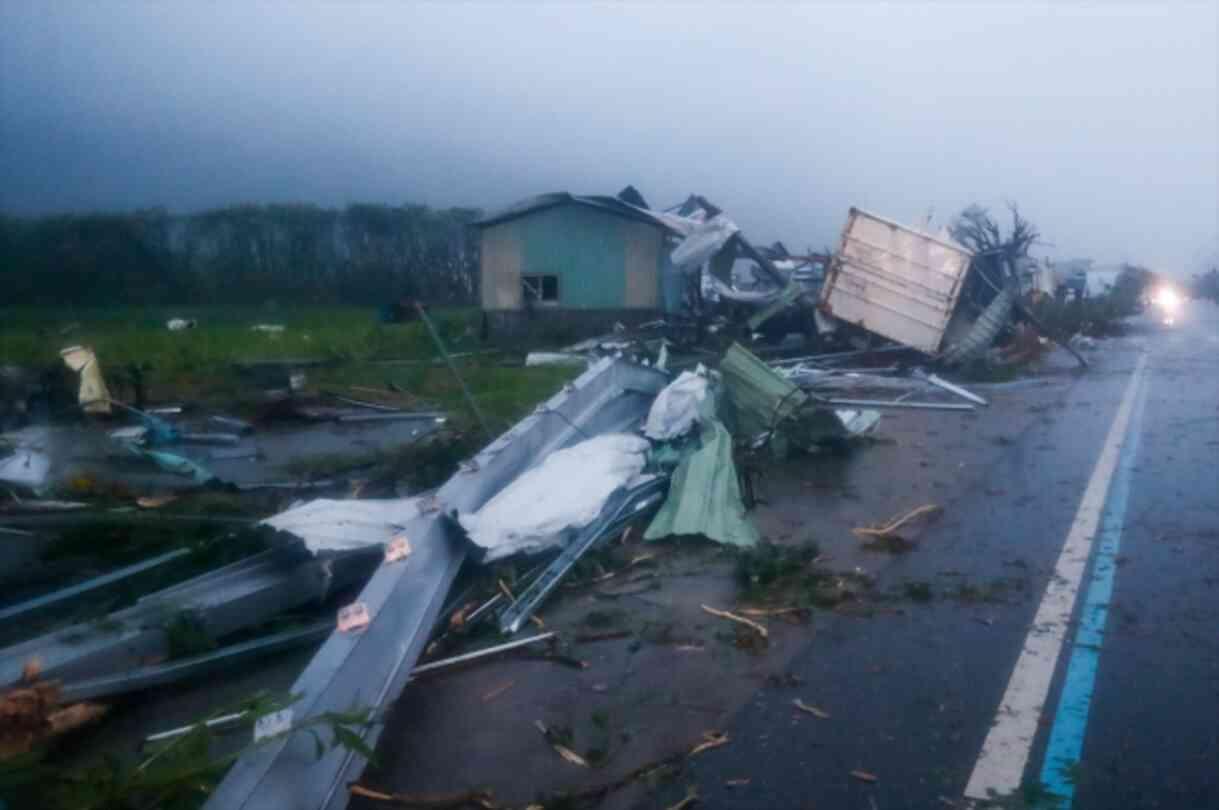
(895, 281)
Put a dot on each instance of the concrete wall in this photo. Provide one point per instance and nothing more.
(602, 261)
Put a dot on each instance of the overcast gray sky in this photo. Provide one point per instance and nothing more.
(1100, 120)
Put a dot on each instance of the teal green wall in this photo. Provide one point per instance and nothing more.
(586, 249)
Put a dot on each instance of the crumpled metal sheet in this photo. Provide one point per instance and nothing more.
(333, 525)
(985, 329)
(758, 396)
(704, 241)
(756, 297)
(370, 668)
(239, 595)
(705, 495)
(760, 399)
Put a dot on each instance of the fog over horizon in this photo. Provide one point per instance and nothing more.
(1100, 120)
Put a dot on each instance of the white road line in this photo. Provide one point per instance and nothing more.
(1005, 752)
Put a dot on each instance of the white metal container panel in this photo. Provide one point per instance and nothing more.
(895, 281)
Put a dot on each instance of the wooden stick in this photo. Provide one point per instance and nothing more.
(897, 523)
(732, 617)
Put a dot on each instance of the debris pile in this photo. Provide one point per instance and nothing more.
(624, 446)
(949, 298)
(657, 437)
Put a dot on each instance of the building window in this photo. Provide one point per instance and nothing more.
(540, 289)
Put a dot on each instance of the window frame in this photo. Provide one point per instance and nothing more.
(533, 289)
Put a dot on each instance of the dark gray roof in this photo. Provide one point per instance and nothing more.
(610, 205)
(631, 195)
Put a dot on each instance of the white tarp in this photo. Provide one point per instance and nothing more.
(333, 525)
(676, 408)
(566, 491)
(704, 241)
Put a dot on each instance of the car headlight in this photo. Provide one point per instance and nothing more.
(1167, 298)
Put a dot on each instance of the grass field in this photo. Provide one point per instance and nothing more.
(199, 364)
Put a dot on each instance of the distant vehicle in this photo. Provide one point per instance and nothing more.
(1167, 302)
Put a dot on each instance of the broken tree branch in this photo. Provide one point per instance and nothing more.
(732, 617)
(897, 523)
(449, 801)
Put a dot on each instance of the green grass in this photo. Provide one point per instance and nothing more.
(224, 336)
(504, 393)
(198, 364)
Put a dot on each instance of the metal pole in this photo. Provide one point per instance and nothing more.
(453, 368)
(57, 598)
(904, 406)
(233, 719)
(218, 722)
(477, 654)
(940, 382)
(791, 361)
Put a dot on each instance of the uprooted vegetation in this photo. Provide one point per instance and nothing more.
(995, 591)
(771, 574)
(178, 773)
(1097, 316)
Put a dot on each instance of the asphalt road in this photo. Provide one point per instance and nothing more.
(1086, 678)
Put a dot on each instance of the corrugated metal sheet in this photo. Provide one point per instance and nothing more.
(371, 667)
(895, 281)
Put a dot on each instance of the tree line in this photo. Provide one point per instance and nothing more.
(363, 254)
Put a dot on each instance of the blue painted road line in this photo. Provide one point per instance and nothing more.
(1070, 725)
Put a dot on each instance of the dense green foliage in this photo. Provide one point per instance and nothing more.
(364, 254)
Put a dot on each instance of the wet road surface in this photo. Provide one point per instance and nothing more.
(983, 690)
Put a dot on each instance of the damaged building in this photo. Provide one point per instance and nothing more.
(558, 259)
